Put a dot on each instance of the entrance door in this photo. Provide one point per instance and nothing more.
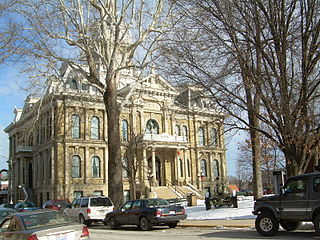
(158, 169)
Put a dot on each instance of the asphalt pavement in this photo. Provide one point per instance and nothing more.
(238, 223)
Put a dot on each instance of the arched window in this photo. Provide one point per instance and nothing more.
(125, 130)
(215, 168)
(181, 167)
(73, 84)
(75, 167)
(95, 167)
(177, 130)
(188, 167)
(152, 126)
(203, 166)
(95, 128)
(125, 170)
(213, 135)
(75, 126)
(184, 131)
(201, 136)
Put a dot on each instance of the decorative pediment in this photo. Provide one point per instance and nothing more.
(155, 82)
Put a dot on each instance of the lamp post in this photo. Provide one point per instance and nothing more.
(9, 178)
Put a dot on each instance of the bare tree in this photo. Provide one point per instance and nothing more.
(8, 32)
(271, 159)
(99, 39)
(259, 58)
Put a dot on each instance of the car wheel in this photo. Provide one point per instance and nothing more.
(289, 225)
(84, 221)
(266, 224)
(144, 224)
(81, 219)
(172, 225)
(113, 223)
(316, 224)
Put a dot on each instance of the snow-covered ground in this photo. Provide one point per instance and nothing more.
(244, 210)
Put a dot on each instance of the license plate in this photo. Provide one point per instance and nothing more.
(172, 212)
(63, 236)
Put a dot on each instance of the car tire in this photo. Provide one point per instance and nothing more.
(84, 221)
(113, 223)
(144, 224)
(172, 225)
(289, 225)
(316, 223)
(266, 224)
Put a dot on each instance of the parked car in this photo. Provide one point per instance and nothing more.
(267, 191)
(4, 212)
(7, 205)
(298, 201)
(41, 224)
(146, 213)
(89, 209)
(25, 206)
(56, 204)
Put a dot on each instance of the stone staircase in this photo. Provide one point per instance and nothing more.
(171, 191)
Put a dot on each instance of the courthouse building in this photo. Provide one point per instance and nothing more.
(172, 140)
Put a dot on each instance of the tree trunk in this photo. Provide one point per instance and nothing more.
(115, 184)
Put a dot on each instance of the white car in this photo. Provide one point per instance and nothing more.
(87, 210)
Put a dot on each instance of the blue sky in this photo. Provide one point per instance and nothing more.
(12, 95)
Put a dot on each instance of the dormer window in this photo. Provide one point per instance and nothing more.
(73, 84)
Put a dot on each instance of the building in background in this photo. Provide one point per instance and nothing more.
(172, 140)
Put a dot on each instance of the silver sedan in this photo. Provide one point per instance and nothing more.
(43, 224)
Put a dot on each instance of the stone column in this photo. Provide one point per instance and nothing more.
(153, 158)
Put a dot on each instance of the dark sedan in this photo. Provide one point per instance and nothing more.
(146, 213)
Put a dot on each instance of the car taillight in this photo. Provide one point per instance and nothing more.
(158, 213)
(33, 237)
(183, 211)
(88, 210)
(85, 232)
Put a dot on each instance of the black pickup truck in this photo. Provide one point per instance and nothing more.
(298, 201)
(146, 213)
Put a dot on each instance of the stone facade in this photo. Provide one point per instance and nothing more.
(170, 137)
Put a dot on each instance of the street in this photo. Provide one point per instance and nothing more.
(190, 233)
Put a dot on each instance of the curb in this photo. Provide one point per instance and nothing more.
(216, 226)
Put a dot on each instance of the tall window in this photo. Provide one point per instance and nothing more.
(177, 130)
(75, 167)
(152, 126)
(213, 135)
(201, 136)
(95, 167)
(203, 166)
(125, 130)
(125, 168)
(184, 132)
(215, 166)
(95, 128)
(181, 167)
(75, 126)
(73, 84)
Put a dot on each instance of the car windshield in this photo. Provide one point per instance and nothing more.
(44, 219)
(157, 203)
(61, 203)
(94, 202)
(25, 205)
(4, 213)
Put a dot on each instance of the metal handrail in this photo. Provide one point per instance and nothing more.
(175, 188)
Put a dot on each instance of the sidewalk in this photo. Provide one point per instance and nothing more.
(241, 223)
